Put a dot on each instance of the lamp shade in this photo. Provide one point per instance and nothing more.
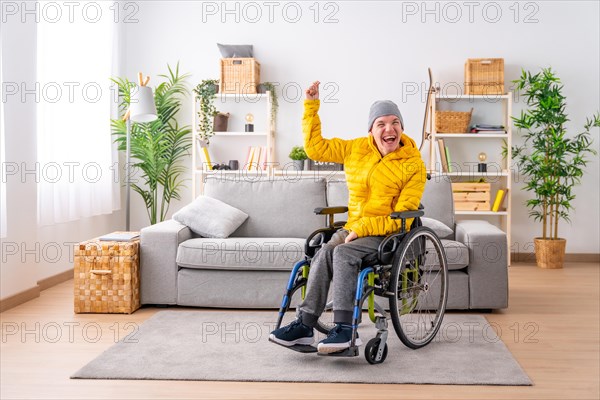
(143, 108)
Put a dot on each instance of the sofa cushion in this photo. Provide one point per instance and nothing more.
(210, 217)
(440, 229)
(276, 207)
(257, 254)
(438, 202)
(457, 254)
(337, 195)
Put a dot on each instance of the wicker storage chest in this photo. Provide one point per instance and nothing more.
(239, 75)
(484, 76)
(107, 276)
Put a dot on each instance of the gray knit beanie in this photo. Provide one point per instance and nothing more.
(381, 108)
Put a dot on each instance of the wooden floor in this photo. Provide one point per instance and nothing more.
(551, 327)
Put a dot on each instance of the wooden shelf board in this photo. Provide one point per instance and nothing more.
(241, 133)
(481, 213)
(472, 96)
(472, 135)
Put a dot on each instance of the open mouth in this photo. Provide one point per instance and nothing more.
(389, 139)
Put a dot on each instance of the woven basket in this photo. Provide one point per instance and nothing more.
(239, 75)
(452, 121)
(484, 76)
(107, 276)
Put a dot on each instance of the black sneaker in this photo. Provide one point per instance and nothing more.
(338, 339)
(294, 333)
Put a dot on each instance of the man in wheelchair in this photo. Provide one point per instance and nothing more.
(385, 174)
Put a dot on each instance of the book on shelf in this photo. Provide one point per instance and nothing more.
(202, 148)
(441, 152)
(256, 158)
(448, 160)
(499, 200)
(486, 128)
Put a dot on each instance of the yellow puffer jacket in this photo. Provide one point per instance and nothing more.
(377, 185)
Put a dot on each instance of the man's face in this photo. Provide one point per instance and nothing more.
(386, 132)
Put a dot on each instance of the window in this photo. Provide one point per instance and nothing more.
(78, 177)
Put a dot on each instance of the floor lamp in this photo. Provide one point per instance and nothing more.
(142, 109)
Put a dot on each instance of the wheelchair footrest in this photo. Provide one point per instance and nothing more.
(301, 348)
(349, 352)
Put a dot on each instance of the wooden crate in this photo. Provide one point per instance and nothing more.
(471, 196)
(239, 75)
(484, 76)
(107, 277)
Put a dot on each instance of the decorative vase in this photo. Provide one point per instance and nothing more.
(550, 253)
(220, 122)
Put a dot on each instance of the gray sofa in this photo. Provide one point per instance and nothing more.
(250, 268)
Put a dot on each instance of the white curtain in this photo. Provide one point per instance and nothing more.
(2, 158)
(79, 176)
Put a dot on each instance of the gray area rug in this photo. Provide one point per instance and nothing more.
(233, 346)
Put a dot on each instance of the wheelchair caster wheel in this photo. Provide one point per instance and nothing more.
(371, 351)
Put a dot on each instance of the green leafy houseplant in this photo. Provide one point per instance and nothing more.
(297, 153)
(158, 146)
(206, 92)
(552, 162)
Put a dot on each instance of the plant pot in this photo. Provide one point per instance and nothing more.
(549, 253)
(220, 122)
(298, 164)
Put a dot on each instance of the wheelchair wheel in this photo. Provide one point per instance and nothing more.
(371, 351)
(419, 287)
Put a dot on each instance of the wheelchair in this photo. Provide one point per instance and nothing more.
(411, 272)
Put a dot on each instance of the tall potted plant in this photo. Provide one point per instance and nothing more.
(552, 163)
(159, 146)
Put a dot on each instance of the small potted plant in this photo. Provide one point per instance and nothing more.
(552, 162)
(298, 155)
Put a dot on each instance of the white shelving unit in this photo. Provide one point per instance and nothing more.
(233, 145)
(468, 145)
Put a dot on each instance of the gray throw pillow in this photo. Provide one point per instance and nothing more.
(210, 217)
(440, 229)
(235, 50)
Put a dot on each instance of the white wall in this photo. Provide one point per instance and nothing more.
(367, 51)
(382, 50)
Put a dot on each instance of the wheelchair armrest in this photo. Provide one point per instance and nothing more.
(407, 214)
(330, 210)
(388, 247)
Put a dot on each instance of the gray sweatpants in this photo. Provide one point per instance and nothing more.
(336, 262)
